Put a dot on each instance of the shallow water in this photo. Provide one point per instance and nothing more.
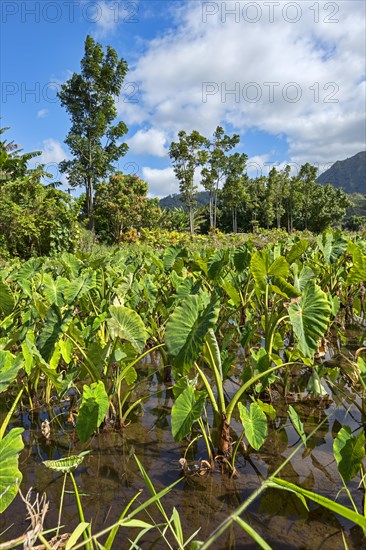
(109, 477)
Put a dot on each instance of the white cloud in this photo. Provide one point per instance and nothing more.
(148, 142)
(42, 113)
(107, 15)
(161, 182)
(52, 154)
(308, 75)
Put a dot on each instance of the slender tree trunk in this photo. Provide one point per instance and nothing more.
(211, 209)
(215, 211)
(89, 203)
(191, 219)
(235, 219)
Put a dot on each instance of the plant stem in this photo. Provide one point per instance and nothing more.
(87, 533)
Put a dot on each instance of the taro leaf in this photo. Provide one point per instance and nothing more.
(80, 286)
(186, 411)
(130, 376)
(357, 273)
(309, 316)
(6, 299)
(66, 348)
(262, 269)
(30, 350)
(297, 250)
(10, 476)
(241, 258)
(9, 366)
(305, 275)
(54, 289)
(295, 419)
(268, 409)
(187, 327)
(66, 464)
(125, 323)
(255, 424)
(216, 263)
(283, 288)
(94, 407)
(227, 284)
(54, 326)
(349, 452)
(171, 256)
(71, 264)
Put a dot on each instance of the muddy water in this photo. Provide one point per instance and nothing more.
(109, 476)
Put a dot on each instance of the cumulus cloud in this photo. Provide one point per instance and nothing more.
(52, 154)
(297, 70)
(108, 15)
(161, 181)
(148, 142)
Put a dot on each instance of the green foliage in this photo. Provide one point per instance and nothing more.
(187, 409)
(35, 219)
(9, 367)
(122, 204)
(349, 452)
(10, 476)
(309, 317)
(66, 464)
(94, 407)
(187, 328)
(127, 325)
(187, 154)
(255, 424)
(89, 99)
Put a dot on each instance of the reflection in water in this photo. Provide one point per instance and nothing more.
(109, 477)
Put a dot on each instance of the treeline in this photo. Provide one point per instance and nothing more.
(238, 203)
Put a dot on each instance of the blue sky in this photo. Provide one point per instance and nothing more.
(289, 77)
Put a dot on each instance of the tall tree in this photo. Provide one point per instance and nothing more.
(256, 200)
(277, 189)
(214, 171)
(234, 192)
(89, 99)
(187, 154)
(120, 205)
(306, 181)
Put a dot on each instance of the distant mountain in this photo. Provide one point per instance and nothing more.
(349, 174)
(173, 201)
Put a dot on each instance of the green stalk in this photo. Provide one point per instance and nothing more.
(86, 534)
(219, 383)
(61, 504)
(4, 425)
(208, 389)
(234, 400)
(272, 331)
(209, 450)
(44, 541)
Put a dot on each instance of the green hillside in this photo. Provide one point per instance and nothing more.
(349, 174)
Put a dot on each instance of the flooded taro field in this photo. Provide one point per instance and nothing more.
(185, 398)
(109, 478)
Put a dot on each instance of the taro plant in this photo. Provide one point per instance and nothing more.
(12, 443)
(191, 342)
